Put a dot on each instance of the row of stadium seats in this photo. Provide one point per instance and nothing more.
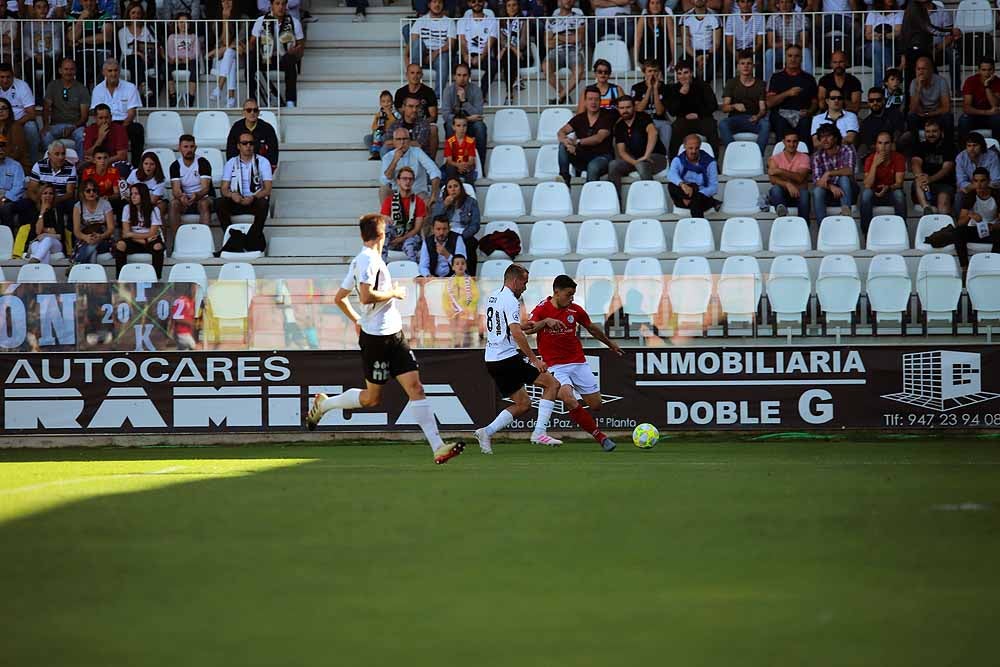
(134, 272)
(211, 129)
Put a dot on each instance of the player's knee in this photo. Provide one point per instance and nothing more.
(369, 399)
(566, 396)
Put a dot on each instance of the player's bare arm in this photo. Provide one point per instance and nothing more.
(517, 333)
(532, 327)
(598, 333)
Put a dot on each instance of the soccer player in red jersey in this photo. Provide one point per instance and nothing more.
(563, 354)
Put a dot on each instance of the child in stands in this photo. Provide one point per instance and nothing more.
(384, 117)
(460, 153)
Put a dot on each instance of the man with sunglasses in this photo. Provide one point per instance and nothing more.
(246, 187)
(67, 105)
(879, 119)
(846, 121)
(11, 187)
(263, 133)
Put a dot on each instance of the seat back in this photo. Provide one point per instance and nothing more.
(615, 51)
(690, 286)
(137, 273)
(789, 284)
(741, 235)
(646, 198)
(540, 275)
(504, 200)
(595, 286)
(237, 271)
(887, 234)
(983, 281)
(740, 197)
(6, 242)
(740, 285)
(216, 159)
(550, 122)
(36, 273)
(508, 163)
(597, 238)
(641, 287)
(87, 273)
(211, 129)
(743, 158)
(510, 126)
(888, 287)
(789, 234)
(547, 162)
(549, 238)
(974, 16)
(838, 234)
(939, 286)
(193, 241)
(599, 199)
(927, 225)
(163, 129)
(693, 236)
(404, 272)
(501, 226)
(838, 285)
(551, 200)
(645, 237)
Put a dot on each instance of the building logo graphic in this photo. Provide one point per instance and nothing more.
(942, 380)
(594, 362)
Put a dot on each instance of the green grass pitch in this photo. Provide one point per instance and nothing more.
(700, 552)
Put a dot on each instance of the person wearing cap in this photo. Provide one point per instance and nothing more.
(11, 186)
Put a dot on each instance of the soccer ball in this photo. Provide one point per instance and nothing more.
(645, 436)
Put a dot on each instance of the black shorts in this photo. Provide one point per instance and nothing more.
(511, 374)
(386, 356)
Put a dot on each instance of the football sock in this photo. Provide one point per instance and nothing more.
(428, 423)
(583, 418)
(501, 422)
(349, 400)
(544, 413)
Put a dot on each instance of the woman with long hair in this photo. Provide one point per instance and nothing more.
(46, 234)
(462, 212)
(226, 47)
(141, 224)
(140, 52)
(655, 32)
(93, 224)
(17, 145)
(150, 173)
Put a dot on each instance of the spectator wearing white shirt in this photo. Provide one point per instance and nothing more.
(41, 44)
(246, 187)
(784, 28)
(478, 34)
(22, 102)
(280, 46)
(745, 29)
(432, 40)
(835, 114)
(704, 36)
(882, 27)
(613, 18)
(191, 184)
(123, 99)
(564, 35)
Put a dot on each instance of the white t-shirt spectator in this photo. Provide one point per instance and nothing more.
(283, 33)
(610, 11)
(559, 23)
(127, 40)
(239, 174)
(191, 176)
(125, 98)
(744, 29)
(884, 18)
(477, 32)
(155, 189)
(846, 123)
(20, 97)
(701, 28)
(836, 6)
(433, 33)
(142, 226)
(787, 28)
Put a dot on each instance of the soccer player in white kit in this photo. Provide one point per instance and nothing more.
(511, 362)
(384, 351)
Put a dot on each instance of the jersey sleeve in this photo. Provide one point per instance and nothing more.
(366, 271)
(348, 281)
(537, 313)
(582, 318)
(512, 310)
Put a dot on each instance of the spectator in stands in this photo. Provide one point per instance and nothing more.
(43, 43)
(846, 121)
(565, 32)
(892, 89)
(462, 213)
(17, 145)
(183, 54)
(140, 53)
(590, 150)
(637, 146)
(948, 42)
(789, 172)
(702, 37)
(122, 98)
(22, 102)
(438, 249)
(833, 173)
(514, 51)
(224, 43)
(655, 37)
(46, 233)
(67, 105)
(745, 29)
(879, 119)
(168, 9)
(93, 224)
(150, 173)
(607, 89)
(109, 7)
(141, 230)
(978, 221)
(885, 169)
(933, 171)
(191, 185)
(691, 101)
(55, 10)
(882, 29)
(839, 79)
(407, 155)
(425, 114)
(280, 47)
(744, 99)
(53, 169)
(107, 177)
(612, 18)
(103, 133)
(264, 135)
(383, 118)
(246, 187)
(693, 179)
(785, 29)
(461, 99)
(973, 157)
(432, 42)
(930, 97)
(791, 96)
(650, 96)
(981, 101)
(461, 300)
(460, 154)
(11, 187)
(477, 43)
(90, 31)
(918, 35)
(406, 212)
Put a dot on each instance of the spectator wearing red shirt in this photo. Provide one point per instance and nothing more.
(883, 186)
(102, 132)
(460, 153)
(981, 101)
(108, 178)
(406, 211)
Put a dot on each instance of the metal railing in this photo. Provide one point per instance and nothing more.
(537, 62)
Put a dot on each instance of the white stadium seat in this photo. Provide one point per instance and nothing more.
(547, 162)
(6, 242)
(838, 287)
(992, 143)
(239, 256)
(887, 233)
(693, 236)
(645, 237)
(740, 287)
(541, 272)
(215, 158)
(743, 158)
(137, 273)
(551, 200)
(550, 122)
(778, 147)
(974, 16)
(888, 288)
(741, 235)
(167, 157)
(510, 126)
(470, 190)
(489, 276)
(87, 273)
(641, 288)
(789, 235)
(192, 242)
(690, 291)
(211, 129)
(239, 271)
(595, 286)
(190, 273)
(36, 273)
(597, 238)
(705, 146)
(504, 201)
(788, 288)
(983, 283)
(615, 51)
(269, 116)
(508, 163)
(549, 238)
(740, 196)
(163, 128)
(433, 292)
(646, 199)
(939, 286)
(501, 226)
(838, 234)
(404, 272)
(599, 199)
(927, 225)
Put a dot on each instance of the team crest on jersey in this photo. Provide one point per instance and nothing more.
(570, 319)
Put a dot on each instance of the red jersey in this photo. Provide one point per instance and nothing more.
(560, 347)
(107, 184)
(460, 152)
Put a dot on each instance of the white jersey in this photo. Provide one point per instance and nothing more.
(502, 310)
(377, 319)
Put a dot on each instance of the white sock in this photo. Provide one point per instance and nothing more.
(544, 412)
(428, 423)
(501, 422)
(349, 400)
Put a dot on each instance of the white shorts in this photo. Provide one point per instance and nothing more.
(578, 376)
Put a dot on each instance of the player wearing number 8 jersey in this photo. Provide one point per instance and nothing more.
(512, 364)
(562, 351)
(384, 351)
